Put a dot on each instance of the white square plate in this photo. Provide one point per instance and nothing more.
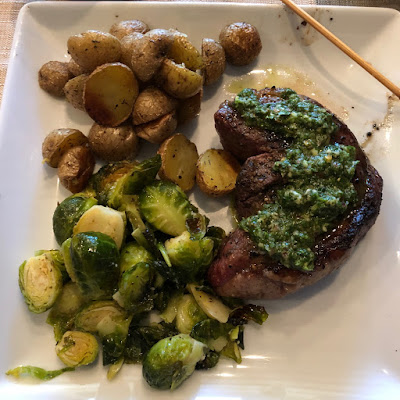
(336, 340)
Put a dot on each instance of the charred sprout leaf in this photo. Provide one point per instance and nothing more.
(110, 322)
(248, 312)
(189, 257)
(62, 314)
(67, 214)
(108, 182)
(132, 254)
(189, 313)
(211, 360)
(172, 360)
(135, 283)
(142, 338)
(36, 372)
(197, 225)
(165, 206)
(232, 350)
(40, 282)
(115, 368)
(209, 330)
(169, 273)
(142, 175)
(77, 348)
(217, 234)
(92, 259)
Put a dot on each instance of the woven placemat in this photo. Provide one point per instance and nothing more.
(9, 10)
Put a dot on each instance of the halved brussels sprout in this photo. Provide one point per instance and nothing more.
(172, 360)
(165, 206)
(67, 214)
(188, 256)
(91, 259)
(105, 220)
(77, 348)
(132, 254)
(40, 281)
(62, 314)
(188, 314)
(58, 259)
(111, 322)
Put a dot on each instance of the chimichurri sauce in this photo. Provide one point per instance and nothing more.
(318, 177)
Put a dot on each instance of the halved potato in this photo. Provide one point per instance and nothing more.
(214, 60)
(178, 161)
(73, 90)
(158, 130)
(152, 103)
(58, 142)
(179, 81)
(110, 92)
(189, 109)
(216, 173)
(93, 48)
(182, 51)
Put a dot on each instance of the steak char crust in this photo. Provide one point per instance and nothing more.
(241, 269)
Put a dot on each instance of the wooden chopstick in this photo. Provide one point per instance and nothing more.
(342, 46)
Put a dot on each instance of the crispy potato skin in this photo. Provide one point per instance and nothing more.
(75, 168)
(214, 61)
(158, 130)
(74, 68)
(58, 142)
(189, 109)
(109, 94)
(241, 42)
(73, 91)
(216, 172)
(152, 103)
(113, 144)
(123, 28)
(128, 42)
(178, 161)
(53, 76)
(93, 48)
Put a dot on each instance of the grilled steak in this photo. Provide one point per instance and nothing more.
(241, 268)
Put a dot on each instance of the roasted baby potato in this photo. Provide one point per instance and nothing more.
(123, 28)
(75, 168)
(179, 81)
(73, 90)
(213, 60)
(149, 52)
(182, 51)
(216, 173)
(189, 109)
(152, 103)
(53, 76)
(178, 161)
(113, 144)
(110, 92)
(158, 130)
(93, 48)
(127, 45)
(58, 142)
(74, 68)
(241, 42)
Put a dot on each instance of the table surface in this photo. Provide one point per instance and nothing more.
(9, 10)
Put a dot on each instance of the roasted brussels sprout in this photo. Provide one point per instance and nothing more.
(67, 214)
(165, 206)
(189, 313)
(91, 259)
(58, 260)
(132, 254)
(190, 257)
(135, 283)
(172, 360)
(111, 322)
(62, 314)
(40, 281)
(105, 220)
(77, 348)
(37, 372)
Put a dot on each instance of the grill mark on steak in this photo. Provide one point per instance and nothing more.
(241, 269)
